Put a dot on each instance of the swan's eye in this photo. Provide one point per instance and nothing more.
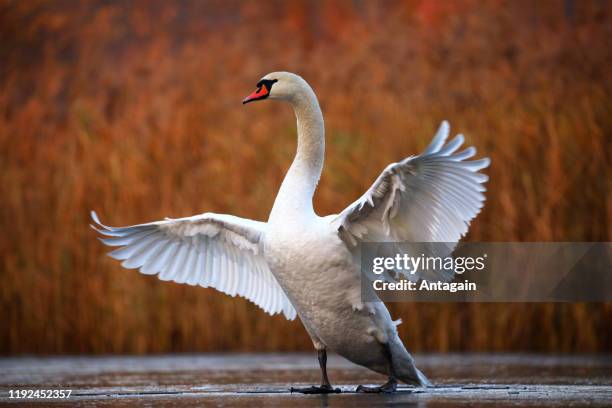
(267, 82)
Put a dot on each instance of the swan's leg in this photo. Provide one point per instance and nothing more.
(325, 387)
(322, 355)
(391, 384)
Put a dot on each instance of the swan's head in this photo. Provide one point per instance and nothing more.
(278, 85)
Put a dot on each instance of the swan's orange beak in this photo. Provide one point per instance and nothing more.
(260, 93)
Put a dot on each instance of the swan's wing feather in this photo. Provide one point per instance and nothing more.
(211, 250)
(431, 197)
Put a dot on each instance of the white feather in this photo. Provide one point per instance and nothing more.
(427, 198)
(215, 250)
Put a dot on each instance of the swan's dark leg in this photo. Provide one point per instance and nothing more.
(325, 387)
(391, 384)
(322, 355)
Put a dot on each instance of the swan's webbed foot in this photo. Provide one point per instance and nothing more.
(322, 389)
(387, 388)
(325, 387)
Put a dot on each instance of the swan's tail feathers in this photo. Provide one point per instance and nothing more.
(413, 376)
(404, 366)
(423, 380)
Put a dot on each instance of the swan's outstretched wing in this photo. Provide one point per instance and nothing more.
(431, 197)
(210, 250)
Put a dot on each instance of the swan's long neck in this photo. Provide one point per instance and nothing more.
(294, 199)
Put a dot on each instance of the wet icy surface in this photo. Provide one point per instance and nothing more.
(264, 379)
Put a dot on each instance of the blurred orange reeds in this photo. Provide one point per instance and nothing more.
(133, 109)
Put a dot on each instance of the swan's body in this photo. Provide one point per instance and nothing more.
(301, 263)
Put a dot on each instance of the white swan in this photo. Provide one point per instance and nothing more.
(300, 263)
